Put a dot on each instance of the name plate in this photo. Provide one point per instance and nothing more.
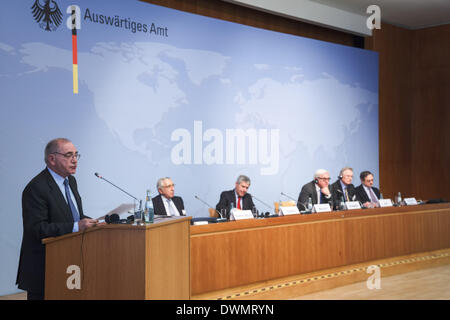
(285, 211)
(351, 205)
(385, 203)
(200, 223)
(410, 201)
(322, 207)
(237, 214)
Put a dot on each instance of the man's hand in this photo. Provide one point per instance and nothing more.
(325, 191)
(86, 223)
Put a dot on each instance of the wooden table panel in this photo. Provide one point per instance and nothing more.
(231, 254)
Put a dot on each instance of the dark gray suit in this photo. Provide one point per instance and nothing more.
(361, 194)
(228, 197)
(309, 190)
(45, 213)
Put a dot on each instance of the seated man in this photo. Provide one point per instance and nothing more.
(317, 190)
(343, 187)
(166, 203)
(238, 197)
(366, 193)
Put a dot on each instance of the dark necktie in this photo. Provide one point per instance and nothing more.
(322, 198)
(73, 209)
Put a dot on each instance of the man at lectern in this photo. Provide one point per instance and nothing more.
(51, 207)
(237, 198)
(166, 203)
(317, 190)
(366, 193)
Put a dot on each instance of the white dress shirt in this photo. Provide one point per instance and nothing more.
(172, 206)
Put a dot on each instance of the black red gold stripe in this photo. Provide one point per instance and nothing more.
(74, 52)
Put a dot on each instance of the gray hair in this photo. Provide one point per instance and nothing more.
(243, 178)
(320, 172)
(53, 146)
(159, 183)
(344, 169)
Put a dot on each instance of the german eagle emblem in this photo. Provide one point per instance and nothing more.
(47, 15)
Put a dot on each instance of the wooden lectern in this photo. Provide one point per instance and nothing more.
(121, 262)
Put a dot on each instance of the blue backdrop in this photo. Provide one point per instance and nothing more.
(167, 93)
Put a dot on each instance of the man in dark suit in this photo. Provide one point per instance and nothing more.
(366, 193)
(51, 207)
(343, 187)
(317, 190)
(238, 198)
(166, 203)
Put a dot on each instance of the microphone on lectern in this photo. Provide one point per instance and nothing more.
(99, 176)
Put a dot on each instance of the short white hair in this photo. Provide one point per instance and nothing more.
(159, 183)
(320, 172)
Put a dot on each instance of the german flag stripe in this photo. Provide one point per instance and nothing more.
(74, 52)
(74, 49)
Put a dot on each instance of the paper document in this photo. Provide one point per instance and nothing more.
(124, 207)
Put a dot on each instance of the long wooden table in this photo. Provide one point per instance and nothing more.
(231, 254)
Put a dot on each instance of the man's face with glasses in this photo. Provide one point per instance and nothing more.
(64, 161)
(323, 180)
(167, 189)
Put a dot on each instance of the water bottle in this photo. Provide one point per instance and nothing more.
(279, 208)
(138, 218)
(231, 209)
(310, 204)
(381, 196)
(149, 212)
(399, 198)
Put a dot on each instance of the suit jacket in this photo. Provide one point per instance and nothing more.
(228, 197)
(336, 190)
(160, 209)
(361, 194)
(45, 213)
(309, 190)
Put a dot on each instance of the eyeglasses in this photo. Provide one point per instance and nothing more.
(170, 185)
(70, 155)
(324, 179)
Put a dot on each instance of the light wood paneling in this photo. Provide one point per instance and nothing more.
(237, 253)
(122, 262)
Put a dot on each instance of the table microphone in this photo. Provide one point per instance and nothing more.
(204, 202)
(266, 214)
(284, 194)
(296, 202)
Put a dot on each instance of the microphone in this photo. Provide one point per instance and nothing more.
(99, 176)
(266, 214)
(140, 201)
(283, 194)
(204, 202)
(304, 206)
